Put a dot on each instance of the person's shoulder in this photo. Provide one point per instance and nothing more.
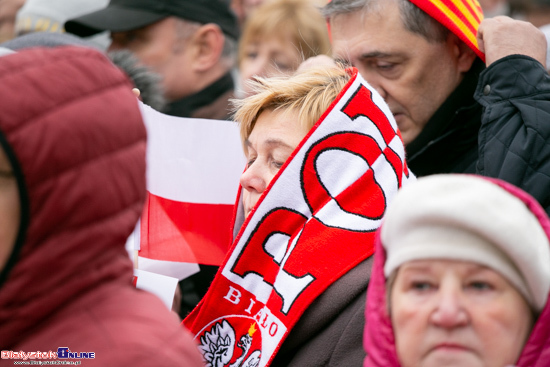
(142, 332)
(174, 347)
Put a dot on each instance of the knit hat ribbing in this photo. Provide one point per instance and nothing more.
(462, 17)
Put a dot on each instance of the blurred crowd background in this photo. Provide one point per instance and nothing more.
(275, 35)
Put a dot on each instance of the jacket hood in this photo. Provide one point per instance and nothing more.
(379, 341)
(73, 132)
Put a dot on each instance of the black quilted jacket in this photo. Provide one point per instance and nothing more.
(497, 124)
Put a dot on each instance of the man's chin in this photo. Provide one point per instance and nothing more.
(406, 128)
(407, 138)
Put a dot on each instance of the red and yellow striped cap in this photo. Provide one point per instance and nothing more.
(462, 17)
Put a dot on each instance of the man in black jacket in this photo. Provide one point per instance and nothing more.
(191, 44)
(456, 113)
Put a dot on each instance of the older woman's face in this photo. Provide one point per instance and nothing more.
(275, 136)
(456, 313)
(10, 209)
(274, 56)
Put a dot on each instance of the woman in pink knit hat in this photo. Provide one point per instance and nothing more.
(461, 277)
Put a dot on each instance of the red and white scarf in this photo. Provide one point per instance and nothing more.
(314, 223)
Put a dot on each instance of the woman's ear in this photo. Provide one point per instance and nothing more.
(207, 42)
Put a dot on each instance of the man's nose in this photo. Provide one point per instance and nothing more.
(381, 91)
(377, 85)
(374, 80)
(252, 179)
(260, 66)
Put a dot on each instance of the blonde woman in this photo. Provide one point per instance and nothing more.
(324, 159)
(278, 36)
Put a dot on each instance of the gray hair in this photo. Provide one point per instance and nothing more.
(229, 48)
(144, 79)
(414, 19)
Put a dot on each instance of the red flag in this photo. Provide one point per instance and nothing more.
(193, 170)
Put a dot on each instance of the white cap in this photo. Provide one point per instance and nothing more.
(51, 15)
(469, 218)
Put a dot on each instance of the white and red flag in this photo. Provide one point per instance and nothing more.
(315, 222)
(193, 170)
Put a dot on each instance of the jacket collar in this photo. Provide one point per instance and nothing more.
(444, 120)
(186, 107)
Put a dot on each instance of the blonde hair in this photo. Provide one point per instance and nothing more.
(309, 93)
(299, 19)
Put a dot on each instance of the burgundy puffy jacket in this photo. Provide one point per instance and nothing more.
(74, 135)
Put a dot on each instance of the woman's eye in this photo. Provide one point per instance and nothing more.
(250, 162)
(278, 165)
(284, 67)
(385, 66)
(480, 285)
(251, 55)
(421, 286)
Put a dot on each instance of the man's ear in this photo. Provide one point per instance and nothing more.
(463, 54)
(208, 42)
